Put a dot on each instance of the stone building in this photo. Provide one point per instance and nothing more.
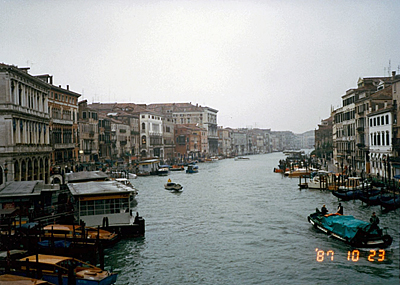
(88, 134)
(63, 110)
(324, 141)
(25, 150)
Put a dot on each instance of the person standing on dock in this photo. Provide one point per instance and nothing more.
(340, 209)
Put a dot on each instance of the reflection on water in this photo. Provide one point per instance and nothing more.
(237, 222)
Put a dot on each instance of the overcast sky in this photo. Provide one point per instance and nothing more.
(266, 64)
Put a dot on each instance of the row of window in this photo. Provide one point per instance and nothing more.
(379, 121)
(109, 206)
(63, 98)
(380, 138)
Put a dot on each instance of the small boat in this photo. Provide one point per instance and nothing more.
(242, 158)
(320, 180)
(177, 167)
(77, 232)
(173, 186)
(299, 172)
(375, 199)
(347, 195)
(163, 170)
(192, 168)
(392, 203)
(59, 268)
(350, 230)
(354, 183)
(10, 279)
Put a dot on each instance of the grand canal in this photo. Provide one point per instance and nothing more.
(237, 222)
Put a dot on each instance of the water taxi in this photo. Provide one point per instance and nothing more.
(60, 270)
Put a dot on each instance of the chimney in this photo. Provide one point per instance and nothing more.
(68, 87)
(51, 80)
(393, 74)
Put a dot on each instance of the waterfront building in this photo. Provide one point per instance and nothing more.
(88, 135)
(239, 142)
(120, 141)
(128, 114)
(186, 113)
(63, 110)
(105, 144)
(380, 134)
(25, 150)
(350, 127)
(324, 141)
(394, 159)
(189, 141)
(224, 142)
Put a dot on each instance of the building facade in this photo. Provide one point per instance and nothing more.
(25, 150)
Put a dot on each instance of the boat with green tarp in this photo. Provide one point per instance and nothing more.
(350, 230)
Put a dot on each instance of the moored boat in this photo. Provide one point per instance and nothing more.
(242, 158)
(177, 167)
(163, 170)
(60, 270)
(300, 172)
(392, 203)
(78, 232)
(320, 180)
(10, 279)
(350, 230)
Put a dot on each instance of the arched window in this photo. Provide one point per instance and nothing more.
(143, 126)
(143, 139)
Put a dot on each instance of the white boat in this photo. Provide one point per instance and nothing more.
(173, 186)
(242, 158)
(320, 180)
(354, 183)
(163, 171)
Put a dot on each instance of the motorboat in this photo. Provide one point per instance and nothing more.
(173, 186)
(177, 167)
(78, 232)
(163, 170)
(192, 168)
(354, 183)
(59, 268)
(350, 230)
(299, 172)
(320, 180)
(242, 158)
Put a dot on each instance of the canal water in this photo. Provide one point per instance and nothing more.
(237, 222)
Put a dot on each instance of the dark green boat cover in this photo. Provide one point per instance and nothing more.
(345, 226)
